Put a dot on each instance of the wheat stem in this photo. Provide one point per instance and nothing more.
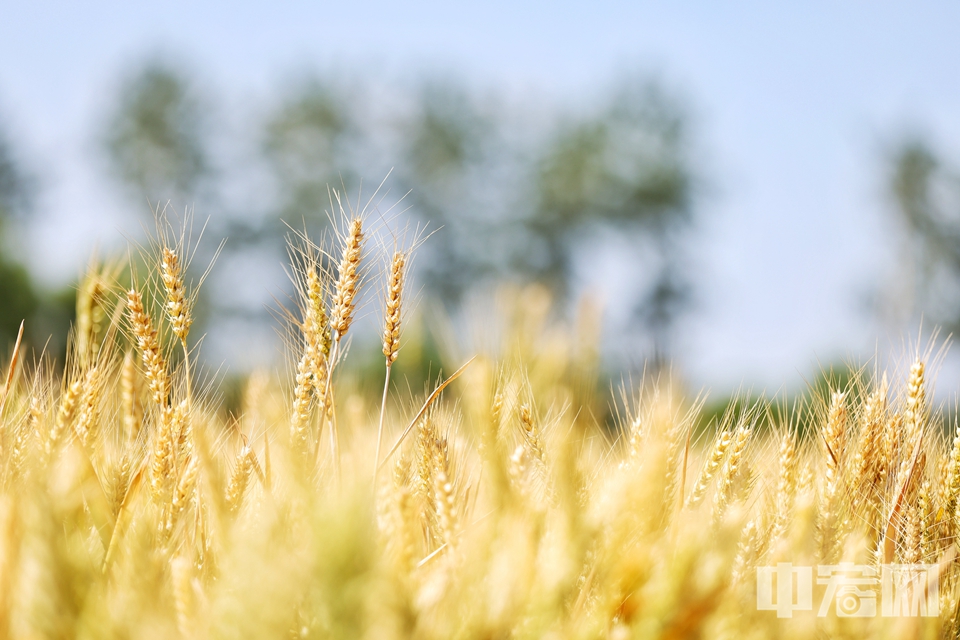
(383, 409)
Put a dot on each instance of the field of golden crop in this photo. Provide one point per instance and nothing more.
(494, 505)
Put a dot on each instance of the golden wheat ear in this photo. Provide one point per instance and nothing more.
(717, 454)
(394, 295)
(177, 304)
(786, 481)
(344, 297)
(239, 479)
(731, 469)
(313, 334)
(148, 343)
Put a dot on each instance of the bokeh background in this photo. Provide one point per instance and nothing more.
(750, 191)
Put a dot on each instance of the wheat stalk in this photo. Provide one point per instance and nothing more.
(313, 367)
(344, 303)
(391, 336)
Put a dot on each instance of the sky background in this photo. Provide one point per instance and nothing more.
(793, 107)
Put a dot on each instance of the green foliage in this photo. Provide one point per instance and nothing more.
(625, 165)
(304, 143)
(19, 299)
(16, 187)
(926, 198)
(447, 143)
(445, 137)
(157, 137)
(626, 168)
(17, 293)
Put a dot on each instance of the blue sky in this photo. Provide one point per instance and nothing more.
(793, 104)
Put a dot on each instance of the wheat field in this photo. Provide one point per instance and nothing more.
(496, 504)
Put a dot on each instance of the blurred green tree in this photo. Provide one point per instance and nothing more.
(447, 142)
(626, 168)
(926, 198)
(307, 142)
(157, 137)
(20, 300)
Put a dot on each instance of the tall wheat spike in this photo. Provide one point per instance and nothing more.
(391, 335)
